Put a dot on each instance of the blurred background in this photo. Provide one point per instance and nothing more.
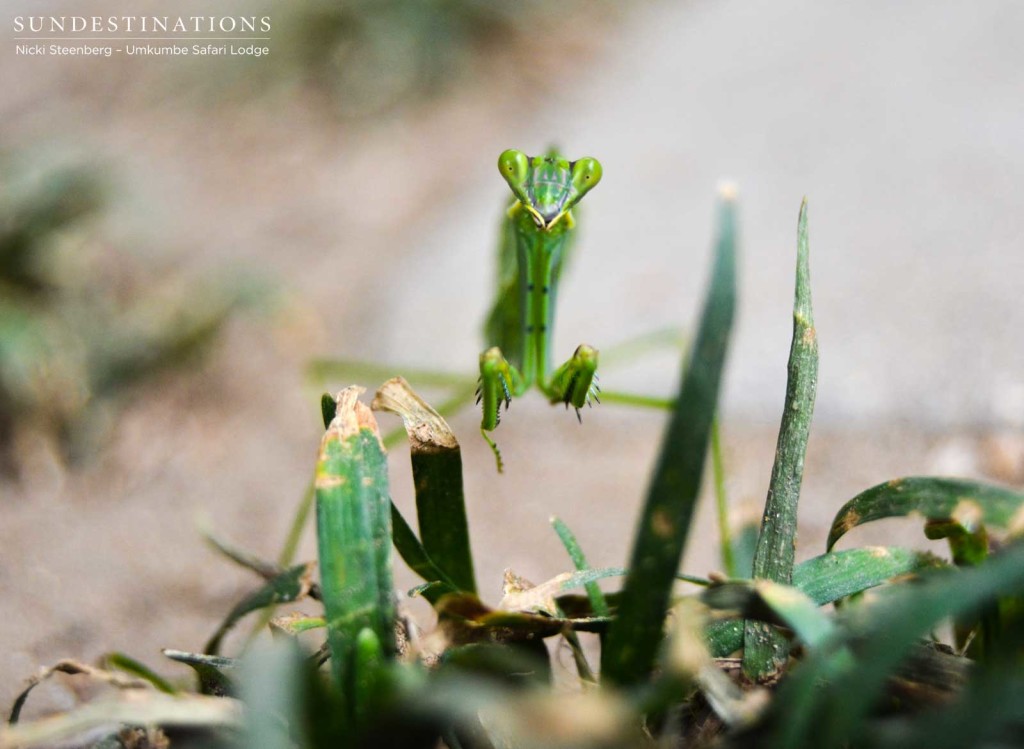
(180, 237)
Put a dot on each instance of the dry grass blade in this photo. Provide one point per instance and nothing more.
(73, 667)
(134, 707)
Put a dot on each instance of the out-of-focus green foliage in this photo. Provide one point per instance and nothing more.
(370, 55)
(81, 320)
(633, 642)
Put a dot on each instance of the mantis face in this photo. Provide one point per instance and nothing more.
(548, 186)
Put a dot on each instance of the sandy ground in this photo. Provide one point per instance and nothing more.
(904, 126)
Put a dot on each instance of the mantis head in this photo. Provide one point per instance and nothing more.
(548, 186)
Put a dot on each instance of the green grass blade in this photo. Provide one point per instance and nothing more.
(744, 545)
(328, 407)
(354, 539)
(836, 575)
(597, 600)
(124, 662)
(969, 546)
(458, 400)
(302, 512)
(262, 567)
(271, 681)
(265, 569)
(635, 636)
(321, 370)
(969, 503)
(369, 665)
(824, 703)
(293, 624)
(765, 600)
(637, 400)
(291, 585)
(830, 577)
(437, 474)
(211, 670)
(764, 650)
(722, 504)
(724, 637)
(627, 351)
(414, 555)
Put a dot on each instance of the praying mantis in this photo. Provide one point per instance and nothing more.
(537, 236)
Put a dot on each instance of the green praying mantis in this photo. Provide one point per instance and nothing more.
(537, 236)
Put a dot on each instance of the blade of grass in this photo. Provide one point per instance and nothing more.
(405, 548)
(824, 703)
(627, 351)
(354, 540)
(328, 407)
(722, 503)
(414, 555)
(320, 370)
(212, 670)
(133, 708)
(764, 650)
(262, 567)
(594, 594)
(635, 636)
(270, 684)
(72, 667)
(291, 585)
(598, 604)
(124, 662)
(836, 575)
(685, 662)
(744, 545)
(830, 577)
(694, 580)
(765, 600)
(970, 503)
(637, 399)
(460, 398)
(293, 624)
(291, 542)
(437, 475)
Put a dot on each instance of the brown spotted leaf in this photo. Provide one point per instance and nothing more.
(971, 504)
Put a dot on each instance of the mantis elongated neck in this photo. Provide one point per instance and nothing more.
(540, 260)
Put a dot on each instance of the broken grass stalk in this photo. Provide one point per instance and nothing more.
(437, 475)
(354, 539)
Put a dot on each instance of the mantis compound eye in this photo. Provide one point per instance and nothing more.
(514, 167)
(586, 173)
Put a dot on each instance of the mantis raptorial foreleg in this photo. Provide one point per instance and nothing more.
(574, 383)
